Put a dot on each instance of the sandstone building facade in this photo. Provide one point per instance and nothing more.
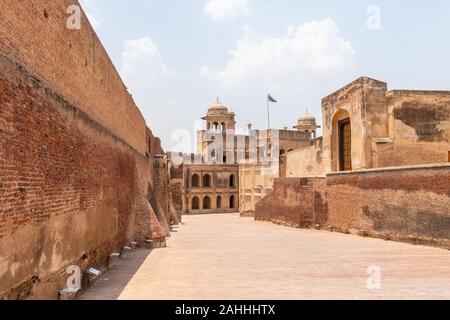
(366, 126)
(231, 172)
(381, 168)
(211, 188)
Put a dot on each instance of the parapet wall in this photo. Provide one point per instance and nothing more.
(405, 204)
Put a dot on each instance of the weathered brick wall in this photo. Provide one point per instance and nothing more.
(404, 204)
(176, 190)
(73, 61)
(306, 161)
(161, 184)
(176, 185)
(76, 157)
(401, 204)
(70, 190)
(297, 202)
(418, 128)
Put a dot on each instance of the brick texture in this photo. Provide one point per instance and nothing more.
(76, 157)
(73, 61)
(408, 204)
(296, 202)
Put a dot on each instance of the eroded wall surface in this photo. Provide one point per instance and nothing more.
(296, 202)
(405, 204)
(306, 161)
(388, 129)
(176, 185)
(256, 181)
(73, 61)
(75, 153)
(419, 129)
(396, 203)
(364, 102)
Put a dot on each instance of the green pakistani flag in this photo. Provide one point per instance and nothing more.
(271, 99)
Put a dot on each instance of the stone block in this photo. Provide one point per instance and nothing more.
(125, 252)
(133, 245)
(113, 259)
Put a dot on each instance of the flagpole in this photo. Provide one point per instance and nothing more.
(268, 113)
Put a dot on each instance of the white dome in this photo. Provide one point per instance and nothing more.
(217, 108)
(307, 119)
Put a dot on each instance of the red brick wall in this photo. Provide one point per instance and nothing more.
(404, 204)
(298, 202)
(73, 61)
(76, 157)
(161, 183)
(401, 204)
(71, 191)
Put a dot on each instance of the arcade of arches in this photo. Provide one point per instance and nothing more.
(210, 189)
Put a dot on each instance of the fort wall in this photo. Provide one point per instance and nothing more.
(75, 62)
(404, 204)
(76, 157)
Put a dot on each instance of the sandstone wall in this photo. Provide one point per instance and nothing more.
(306, 161)
(364, 102)
(419, 129)
(405, 204)
(255, 182)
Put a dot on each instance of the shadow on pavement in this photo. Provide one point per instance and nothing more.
(114, 281)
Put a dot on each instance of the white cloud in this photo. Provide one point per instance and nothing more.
(220, 10)
(93, 20)
(86, 3)
(87, 6)
(141, 60)
(314, 48)
(150, 81)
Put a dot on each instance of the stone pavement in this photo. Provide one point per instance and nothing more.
(223, 257)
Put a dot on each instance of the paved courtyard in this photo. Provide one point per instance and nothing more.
(223, 257)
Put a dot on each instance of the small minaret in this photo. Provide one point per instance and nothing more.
(220, 118)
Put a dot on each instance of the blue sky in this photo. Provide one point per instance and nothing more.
(176, 56)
